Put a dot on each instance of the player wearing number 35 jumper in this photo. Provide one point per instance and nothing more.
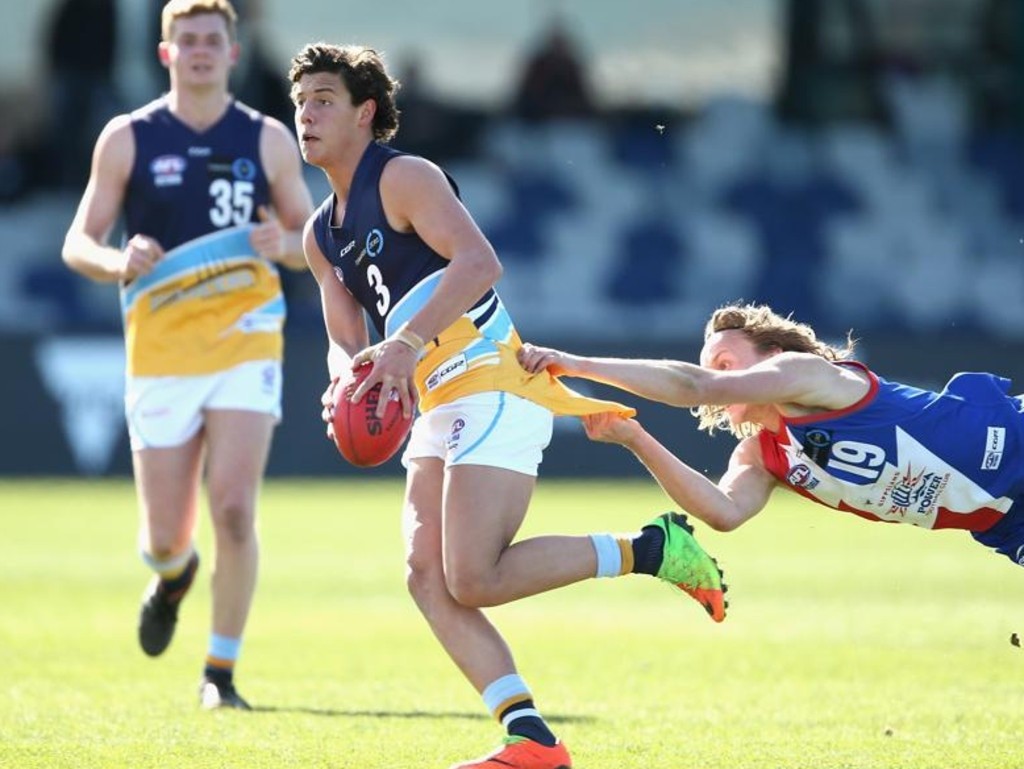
(395, 241)
(213, 201)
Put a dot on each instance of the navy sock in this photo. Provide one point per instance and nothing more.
(176, 587)
(532, 726)
(221, 677)
(648, 547)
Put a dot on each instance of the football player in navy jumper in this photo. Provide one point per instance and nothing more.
(213, 202)
(394, 241)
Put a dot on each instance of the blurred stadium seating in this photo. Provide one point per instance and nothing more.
(612, 233)
(880, 189)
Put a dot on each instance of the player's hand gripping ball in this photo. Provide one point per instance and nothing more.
(363, 438)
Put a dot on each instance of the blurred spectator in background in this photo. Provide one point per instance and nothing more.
(554, 82)
(18, 153)
(12, 167)
(430, 125)
(1000, 81)
(257, 79)
(81, 46)
(425, 121)
(831, 50)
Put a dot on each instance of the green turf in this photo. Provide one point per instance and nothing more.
(848, 644)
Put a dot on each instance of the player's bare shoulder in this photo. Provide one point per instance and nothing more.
(315, 258)
(118, 128)
(277, 145)
(747, 454)
(414, 189)
(412, 172)
(818, 383)
(115, 147)
(278, 134)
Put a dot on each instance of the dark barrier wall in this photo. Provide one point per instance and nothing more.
(63, 405)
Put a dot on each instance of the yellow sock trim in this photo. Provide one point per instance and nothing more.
(626, 549)
(167, 566)
(506, 704)
(179, 564)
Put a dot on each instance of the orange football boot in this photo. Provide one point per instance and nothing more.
(521, 753)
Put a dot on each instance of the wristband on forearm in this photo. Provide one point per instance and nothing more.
(409, 338)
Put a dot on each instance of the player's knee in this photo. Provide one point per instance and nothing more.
(472, 588)
(233, 520)
(423, 579)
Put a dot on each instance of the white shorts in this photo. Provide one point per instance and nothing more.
(496, 429)
(165, 411)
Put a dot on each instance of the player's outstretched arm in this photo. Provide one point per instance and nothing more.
(783, 378)
(666, 381)
(742, 492)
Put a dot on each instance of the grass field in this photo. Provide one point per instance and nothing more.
(848, 644)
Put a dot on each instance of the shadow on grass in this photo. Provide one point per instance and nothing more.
(407, 714)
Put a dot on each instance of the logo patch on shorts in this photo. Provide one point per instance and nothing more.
(268, 379)
(447, 371)
(994, 442)
(452, 441)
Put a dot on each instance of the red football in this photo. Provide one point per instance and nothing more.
(362, 438)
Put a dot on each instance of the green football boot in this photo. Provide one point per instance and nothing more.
(685, 565)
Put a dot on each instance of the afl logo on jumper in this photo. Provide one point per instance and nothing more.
(244, 169)
(800, 475)
(167, 170)
(374, 243)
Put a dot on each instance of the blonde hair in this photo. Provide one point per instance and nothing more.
(769, 332)
(181, 9)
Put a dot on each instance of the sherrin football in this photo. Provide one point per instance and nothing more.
(364, 439)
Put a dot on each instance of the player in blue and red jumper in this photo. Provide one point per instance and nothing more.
(811, 419)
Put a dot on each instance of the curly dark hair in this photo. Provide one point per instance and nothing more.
(362, 71)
